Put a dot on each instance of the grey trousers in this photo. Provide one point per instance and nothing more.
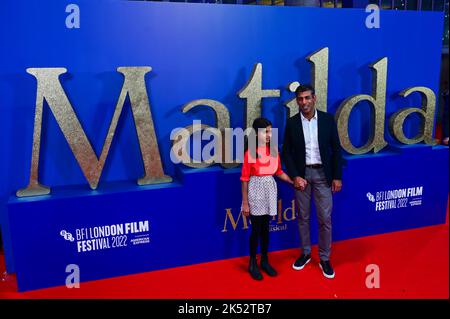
(323, 200)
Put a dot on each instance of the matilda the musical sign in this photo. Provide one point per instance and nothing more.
(49, 88)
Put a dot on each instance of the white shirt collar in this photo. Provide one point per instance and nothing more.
(313, 118)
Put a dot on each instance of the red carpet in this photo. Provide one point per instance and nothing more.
(413, 264)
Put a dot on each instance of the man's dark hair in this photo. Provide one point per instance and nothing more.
(304, 88)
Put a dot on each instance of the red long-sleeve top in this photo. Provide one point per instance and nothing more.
(263, 165)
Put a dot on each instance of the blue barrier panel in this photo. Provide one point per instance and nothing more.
(197, 51)
(198, 219)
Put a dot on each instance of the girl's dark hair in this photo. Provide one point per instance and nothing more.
(259, 123)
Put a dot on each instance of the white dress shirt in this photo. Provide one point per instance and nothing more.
(311, 139)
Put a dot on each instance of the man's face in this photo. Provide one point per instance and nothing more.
(306, 102)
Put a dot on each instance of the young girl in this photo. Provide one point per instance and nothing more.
(259, 192)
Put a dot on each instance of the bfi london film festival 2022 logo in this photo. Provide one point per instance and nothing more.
(109, 236)
(396, 198)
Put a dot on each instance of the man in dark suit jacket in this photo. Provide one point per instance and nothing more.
(313, 159)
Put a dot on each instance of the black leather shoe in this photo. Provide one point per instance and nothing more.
(267, 267)
(254, 270)
(301, 262)
(327, 270)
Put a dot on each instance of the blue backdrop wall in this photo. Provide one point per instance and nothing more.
(196, 51)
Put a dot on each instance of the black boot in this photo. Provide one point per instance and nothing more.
(254, 270)
(267, 267)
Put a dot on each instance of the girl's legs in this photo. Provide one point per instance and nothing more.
(254, 239)
(257, 224)
(265, 246)
(265, 220)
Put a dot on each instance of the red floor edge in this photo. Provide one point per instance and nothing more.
(412, 264)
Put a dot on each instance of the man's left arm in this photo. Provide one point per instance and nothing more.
(336, 158)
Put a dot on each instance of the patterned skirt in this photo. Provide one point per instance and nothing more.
(262, 195)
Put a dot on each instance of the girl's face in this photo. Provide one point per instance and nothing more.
(264, 135)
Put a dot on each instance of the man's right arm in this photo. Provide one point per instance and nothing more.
(288, 159)
(287, 153)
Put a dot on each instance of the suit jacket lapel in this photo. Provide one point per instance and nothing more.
(299, 128)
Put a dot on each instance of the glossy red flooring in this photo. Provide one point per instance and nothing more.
(412, 264)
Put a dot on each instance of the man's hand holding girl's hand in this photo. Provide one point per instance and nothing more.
(300, 183)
